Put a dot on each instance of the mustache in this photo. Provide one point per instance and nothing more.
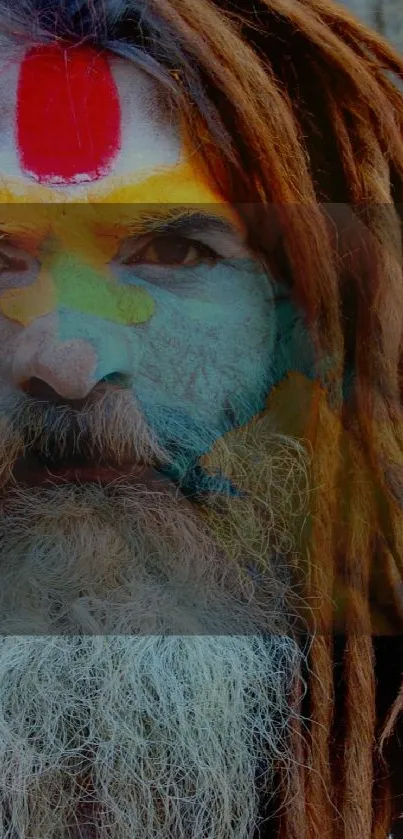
(109, 427)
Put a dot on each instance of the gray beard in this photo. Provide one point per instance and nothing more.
(137, 737)
(146, 680)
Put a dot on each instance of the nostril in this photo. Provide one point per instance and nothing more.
(39, 389)
(117, 379)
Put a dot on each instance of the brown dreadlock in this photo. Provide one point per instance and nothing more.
(317, 146)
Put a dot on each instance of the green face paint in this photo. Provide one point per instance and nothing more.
(85, 289)
(66, 280)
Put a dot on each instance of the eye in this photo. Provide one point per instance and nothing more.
(12, 259)
(171, 250)
(17, 267)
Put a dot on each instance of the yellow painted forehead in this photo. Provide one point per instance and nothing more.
(181, 185)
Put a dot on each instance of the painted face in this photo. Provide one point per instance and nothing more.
(118, 259)
(119, 262)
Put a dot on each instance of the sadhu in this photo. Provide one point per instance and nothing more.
(201, 307)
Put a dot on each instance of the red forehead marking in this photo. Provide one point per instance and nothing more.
(68, 114)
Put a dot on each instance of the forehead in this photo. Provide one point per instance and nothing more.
(72, 115)
(80, 125)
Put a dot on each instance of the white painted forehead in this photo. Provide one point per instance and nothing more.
(150, 131)
(150, 136)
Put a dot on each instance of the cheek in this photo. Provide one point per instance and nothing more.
(210, 347)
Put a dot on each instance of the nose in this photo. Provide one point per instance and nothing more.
(65, 370)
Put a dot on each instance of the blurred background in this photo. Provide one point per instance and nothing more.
(384, 15)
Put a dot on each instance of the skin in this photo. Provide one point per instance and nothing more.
(77, 313)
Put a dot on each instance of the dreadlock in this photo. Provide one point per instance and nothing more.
(299, 115)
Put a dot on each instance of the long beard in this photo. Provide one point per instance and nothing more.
(146, 673)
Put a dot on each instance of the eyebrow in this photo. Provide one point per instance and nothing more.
(157, 219)
(183, 222)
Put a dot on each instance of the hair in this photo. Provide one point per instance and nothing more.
(300, 118)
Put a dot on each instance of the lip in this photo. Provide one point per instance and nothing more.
(29, 470)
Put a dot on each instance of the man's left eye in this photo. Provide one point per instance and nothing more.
(171, 250)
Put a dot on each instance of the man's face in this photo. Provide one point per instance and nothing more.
(142, 493)
(133, 272)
